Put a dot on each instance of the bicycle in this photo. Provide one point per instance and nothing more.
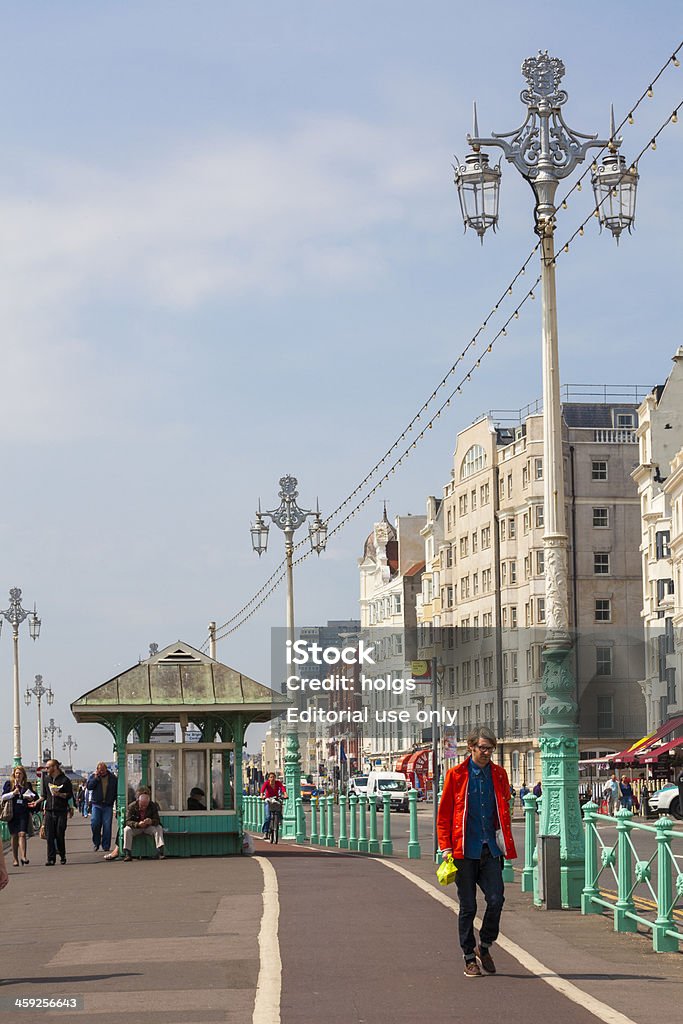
(275, 822)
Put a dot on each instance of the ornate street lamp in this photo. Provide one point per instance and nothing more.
(289, 518)
(39, 691)
(50, 730)
(15, 615)
(70, 744)
(544, 149)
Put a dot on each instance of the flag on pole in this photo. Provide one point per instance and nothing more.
(342, 753)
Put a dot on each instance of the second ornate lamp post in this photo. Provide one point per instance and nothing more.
(15, 615)
(70, 744)
(50, 729)
(39, 691)
(545, 150)
(289, 517)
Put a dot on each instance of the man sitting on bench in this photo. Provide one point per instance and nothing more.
(142, 817)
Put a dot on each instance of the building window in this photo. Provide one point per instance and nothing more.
(487, 623)
(451, 680)
(513, 571)
(601, 518)
(473, 499)
(466, 675)
(397, 604)
(529, 664)
(605, 712)
(528, 617)
(662, 544)
(527, 566)
(484, 494)
(525, 522)
(449, 557)
(449, 597)
(464, 545)
(488, 670)
(540, 562)
(502, 529)
(603, 609)
(505, 669)
(501, 487)
(600, 563)
(513, 617)
(477, 673)
(485, 537)
(625, 419)
(475, 584)
(598, 469)
(540, 609)
(475, 459)
(462, 505)
(525, 476)
(511, 529)
(486, 581)
(538, 469)
(538, 513)
(514, 676)
(464, 588)
(475, 542)
(449, 521)
(505, 618)
(509, 485)
(503, 573)
(603, 661)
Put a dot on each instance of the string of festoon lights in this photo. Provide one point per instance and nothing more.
(237, 620)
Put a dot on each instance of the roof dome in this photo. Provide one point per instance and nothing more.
(383, 532)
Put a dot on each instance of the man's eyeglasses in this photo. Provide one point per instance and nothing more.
(484, 749)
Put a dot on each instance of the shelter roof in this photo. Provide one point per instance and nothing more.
(176, 681)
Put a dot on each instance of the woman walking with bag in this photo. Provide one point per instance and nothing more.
(18, 795)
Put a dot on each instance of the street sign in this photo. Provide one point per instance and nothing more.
(421, 671)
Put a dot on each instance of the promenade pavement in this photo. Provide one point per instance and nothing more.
(358, 940)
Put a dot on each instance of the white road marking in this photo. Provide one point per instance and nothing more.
(602, 1011)
(269, 984)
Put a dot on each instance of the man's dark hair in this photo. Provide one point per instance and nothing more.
(481, 732)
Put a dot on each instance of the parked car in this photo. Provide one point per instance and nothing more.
(666, 801)
(358, 785)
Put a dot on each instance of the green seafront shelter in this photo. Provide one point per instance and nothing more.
(212, 704)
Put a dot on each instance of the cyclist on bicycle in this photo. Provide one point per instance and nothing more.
(272, 787)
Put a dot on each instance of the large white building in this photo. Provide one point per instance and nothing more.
(390, 579)
(490, 581)
(659, 478)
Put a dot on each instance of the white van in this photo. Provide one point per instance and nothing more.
(393, 783)
(358, 785)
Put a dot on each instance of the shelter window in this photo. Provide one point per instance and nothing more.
(173, 770)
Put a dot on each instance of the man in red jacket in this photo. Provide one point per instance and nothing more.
(474, 825)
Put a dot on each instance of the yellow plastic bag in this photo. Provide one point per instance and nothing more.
(446, 871)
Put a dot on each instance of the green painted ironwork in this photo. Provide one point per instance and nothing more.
(343, 838)
(300, 821)
(330, 840)
(363, 823)
(292, 761)
(529, 842)
(373, 844)
(322, 830)
(559, 743)
(414, 849)
(387, 842)
(625, 907)
(664, 938)
(353, 825)
(591, 889)
(314, 821)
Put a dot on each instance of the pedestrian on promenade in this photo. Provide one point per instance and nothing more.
(4, 876)
(102, 786)
(22, 798)
(57, 797)
(626, 790)
(611, 793)
(270, 788)
(473, 824)
(142, 818)
(80, 798)
(644, 797)
(523, 791)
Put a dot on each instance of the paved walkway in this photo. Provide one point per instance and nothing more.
(358, 941)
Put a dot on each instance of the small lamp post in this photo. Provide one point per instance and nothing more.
(50, 730)
(70, 745)
(289, 517)
(39, 691)
(15, 615)
(544, 149)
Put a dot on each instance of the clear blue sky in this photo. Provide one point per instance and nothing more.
(230, 248)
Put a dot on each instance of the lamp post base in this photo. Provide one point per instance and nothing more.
(292, 785)
(559, 741)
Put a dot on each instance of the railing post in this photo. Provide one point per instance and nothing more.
(661, 942)
(529, 842)
(387, 842)
(314, 820)
(414, 849)
(300, 821)
(343, 838)
(330, 822)
(590, 888)
(246, 812)
(373, 845)
(322, 830)
(624, 904)
(353, 831)
(363, 824)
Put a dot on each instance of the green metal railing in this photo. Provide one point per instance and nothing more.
(659, 876)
